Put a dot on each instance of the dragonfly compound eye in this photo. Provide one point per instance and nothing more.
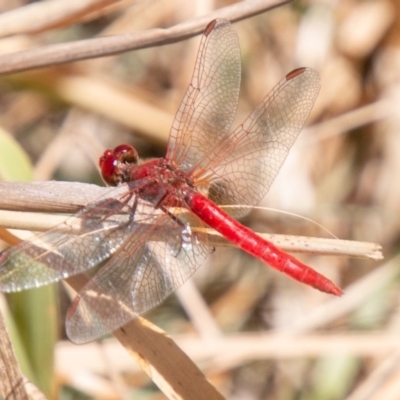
(126, 154)
(108, 164)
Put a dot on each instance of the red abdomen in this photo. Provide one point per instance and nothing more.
(255, 245)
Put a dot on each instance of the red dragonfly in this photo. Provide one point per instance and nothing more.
(148, 233)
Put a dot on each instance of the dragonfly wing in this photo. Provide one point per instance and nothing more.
(210, 102)
(138, 277)
(79, 243)
(245, 167)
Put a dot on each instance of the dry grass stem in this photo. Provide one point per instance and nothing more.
(105, 46)
(12, 385)
(42, 222)
(38, 17)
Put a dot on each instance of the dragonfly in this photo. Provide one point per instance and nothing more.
(148, 235)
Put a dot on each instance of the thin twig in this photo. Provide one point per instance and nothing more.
(385, 373)
(40, 16)
(235, 349)
(11, 380)
(33, 392)
(351, 120)
(105, 46)
(24, 200)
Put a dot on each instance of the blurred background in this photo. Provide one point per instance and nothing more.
(342, 173)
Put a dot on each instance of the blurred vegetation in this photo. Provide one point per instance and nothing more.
(342, 173)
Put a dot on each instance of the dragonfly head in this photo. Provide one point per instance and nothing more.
(113, 163)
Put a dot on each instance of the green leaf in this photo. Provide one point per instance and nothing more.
(14, 162)
(34, 326)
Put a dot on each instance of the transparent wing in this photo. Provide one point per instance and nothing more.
(237, 167)
(139, 276)
(79, 243)
(210, 102)
(245, 164)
